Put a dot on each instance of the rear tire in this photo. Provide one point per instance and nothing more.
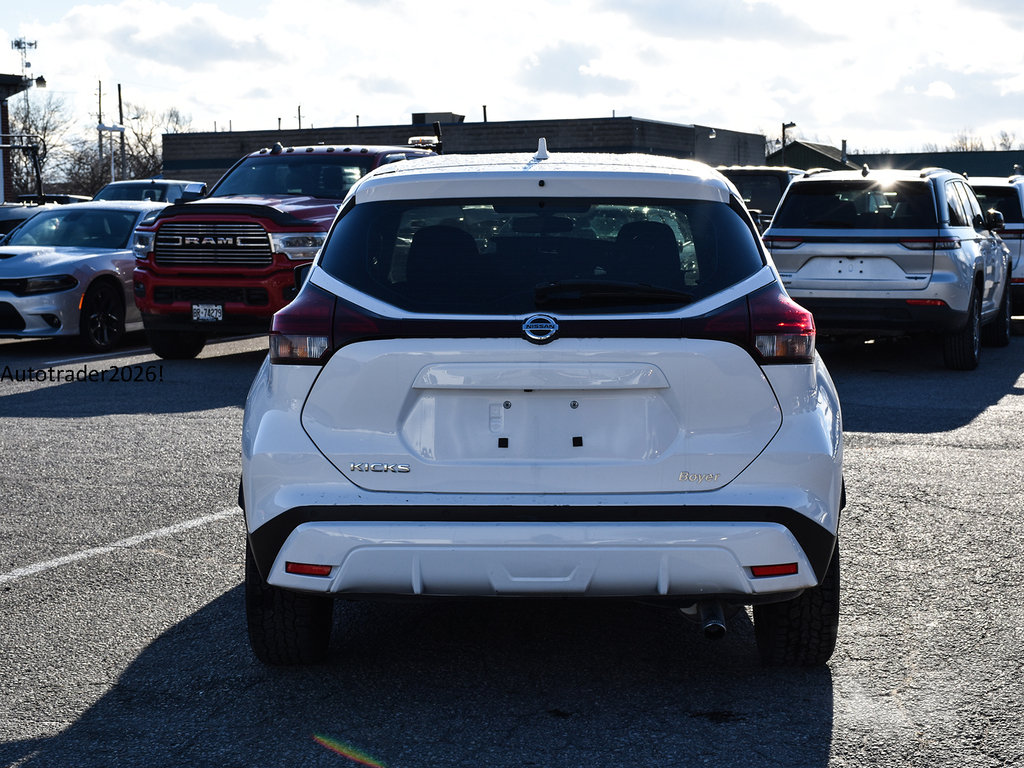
(285, 628)
(176, 345)
(802, 631)
(962, 349)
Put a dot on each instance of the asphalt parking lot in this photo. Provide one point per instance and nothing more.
(122, 639)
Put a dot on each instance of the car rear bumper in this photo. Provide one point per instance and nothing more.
(880, 316)
(710, 555)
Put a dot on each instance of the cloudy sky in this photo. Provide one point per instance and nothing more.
(884, 74)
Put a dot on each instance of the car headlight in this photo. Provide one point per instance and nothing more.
(49, 284)
(299, 246)
(142, 244)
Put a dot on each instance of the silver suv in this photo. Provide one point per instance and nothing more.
(1006, 195)
(881, 253)
(571, 376)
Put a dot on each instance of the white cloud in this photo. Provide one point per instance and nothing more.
(872, 72)
(940, 90)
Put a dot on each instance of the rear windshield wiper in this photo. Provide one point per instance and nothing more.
(606, 292)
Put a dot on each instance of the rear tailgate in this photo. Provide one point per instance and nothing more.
(896, 261)
(574, 416)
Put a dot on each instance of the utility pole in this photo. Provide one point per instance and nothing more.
(99, 121)
(120, 121)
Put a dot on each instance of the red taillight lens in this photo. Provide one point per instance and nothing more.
(773, 327)
(307, 569)
(314, 325)
(782, 569)
(300, 333)
(782, 330)
(929, 243)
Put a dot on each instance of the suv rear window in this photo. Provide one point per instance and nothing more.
(864, 204)
(760, 191)
(1004, 200)
(519, 255)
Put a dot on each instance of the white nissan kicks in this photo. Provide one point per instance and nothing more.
(555, 375)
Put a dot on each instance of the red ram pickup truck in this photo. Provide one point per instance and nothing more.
(225, 262)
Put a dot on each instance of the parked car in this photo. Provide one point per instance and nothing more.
(761, 187)
(561, 375)
(59, 199)
(1006, 195)
(884, 253)
(155, 190)
(67, 271)
(12, 214)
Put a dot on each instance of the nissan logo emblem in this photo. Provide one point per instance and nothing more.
(540, 328)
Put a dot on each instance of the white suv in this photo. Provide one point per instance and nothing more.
(1006, 195)
(885, 253)
(559, 375)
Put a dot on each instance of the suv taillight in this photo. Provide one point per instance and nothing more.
(773, 327)
(929, 243)
(315, 324)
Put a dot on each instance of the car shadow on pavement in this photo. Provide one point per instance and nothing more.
(900, 385)
(98, 388)
(495, 683)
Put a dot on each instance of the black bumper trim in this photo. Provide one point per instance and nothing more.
(816, 542)
(884, 317)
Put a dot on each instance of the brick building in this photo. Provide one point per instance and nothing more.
(205, 156)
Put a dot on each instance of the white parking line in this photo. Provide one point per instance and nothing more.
(134, 541)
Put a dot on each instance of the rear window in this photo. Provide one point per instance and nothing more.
(864, 204)
(521, 255)
(145, 191)
(1003, 199)
(760, 191)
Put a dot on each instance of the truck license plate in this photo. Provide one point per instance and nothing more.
(208, 313)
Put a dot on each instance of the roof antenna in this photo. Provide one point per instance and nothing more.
(542, 150)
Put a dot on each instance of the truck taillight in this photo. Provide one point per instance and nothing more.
(773, 327)
(315, 324)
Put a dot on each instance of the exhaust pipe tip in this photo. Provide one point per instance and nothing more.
(712, 619)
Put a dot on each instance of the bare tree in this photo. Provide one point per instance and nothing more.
(44, 122)
(81, 168)
(965, 141)
(1006, 141)
(144, 138)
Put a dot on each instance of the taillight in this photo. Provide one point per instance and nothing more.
(782, 330)
(930, 243)
(769, 324)
(783, 243)
(300, 333)
(313, 326)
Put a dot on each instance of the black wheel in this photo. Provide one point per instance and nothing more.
(997, 333)
(101, 323)
(962, 349)
(176, 345)
(802, 631)
(285, 628)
